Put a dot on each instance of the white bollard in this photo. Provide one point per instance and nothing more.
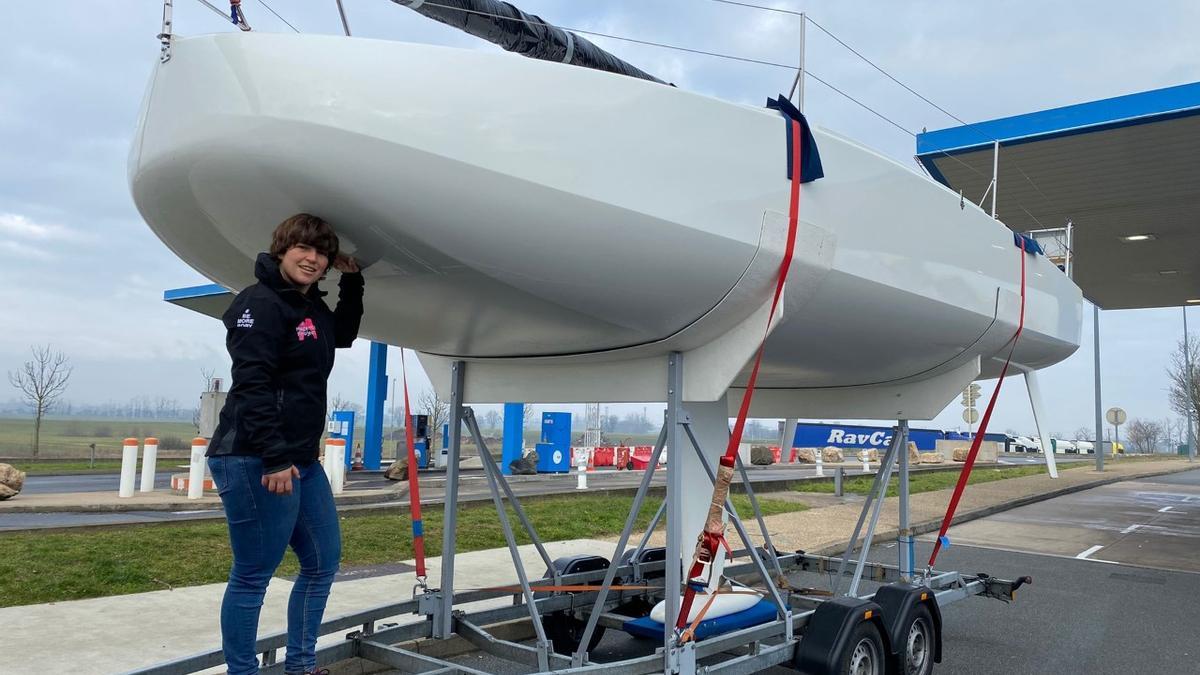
(149, 464)
(581, 479)
(820, 462)
(128, 467)
(196, 470)
(335, 464)
(866, 464)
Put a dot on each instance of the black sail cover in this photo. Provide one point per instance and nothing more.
(526, 34)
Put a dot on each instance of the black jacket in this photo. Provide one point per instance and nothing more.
(281, 342)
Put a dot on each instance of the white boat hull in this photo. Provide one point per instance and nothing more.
(564, 228)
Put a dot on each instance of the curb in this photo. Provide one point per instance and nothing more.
(927, 526)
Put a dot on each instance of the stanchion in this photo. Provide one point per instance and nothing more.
(128, 467)
(866, 461)
(820, 462)
(196, 472)
(335, 464)
(149, 463)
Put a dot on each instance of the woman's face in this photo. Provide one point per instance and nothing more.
(303, 265)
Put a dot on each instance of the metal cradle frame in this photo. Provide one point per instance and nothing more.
(372, 638)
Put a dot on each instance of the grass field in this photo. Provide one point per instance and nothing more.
(52, 566)
(70, 437)
(919, 482)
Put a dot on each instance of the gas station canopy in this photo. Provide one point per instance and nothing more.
(209, 299)
(1124, 171)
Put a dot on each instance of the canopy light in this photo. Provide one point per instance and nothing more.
(1194, 301)
(1168, 273)
(1138, 237)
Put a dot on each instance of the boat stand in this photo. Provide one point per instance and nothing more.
(407, 646)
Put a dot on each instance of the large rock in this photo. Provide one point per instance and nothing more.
(914, 455)
(761, 455)
(806, 455)
(398, 470)
(525, 466)
(868, 455)
(932, 458)
(11, 481)
(832, 455)
(960, 454)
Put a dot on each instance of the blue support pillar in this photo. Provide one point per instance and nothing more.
(514, 435)
(376, 396)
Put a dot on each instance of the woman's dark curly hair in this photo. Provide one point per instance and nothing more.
(304, 228)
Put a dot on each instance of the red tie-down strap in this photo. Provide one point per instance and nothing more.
(713, 536)
(983, 425)
(414, 489)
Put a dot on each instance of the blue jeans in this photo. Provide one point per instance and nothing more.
(261, 526)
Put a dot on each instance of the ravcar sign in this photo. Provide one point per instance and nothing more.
(810, 435)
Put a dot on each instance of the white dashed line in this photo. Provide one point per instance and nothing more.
(1129, 529)
(1164, 509)
(1085, 554)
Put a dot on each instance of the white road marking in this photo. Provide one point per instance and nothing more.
(1129, 529)
(1164, 509)
(1085, 554)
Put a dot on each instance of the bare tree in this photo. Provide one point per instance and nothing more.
(430, 404)
(1185, 403)
(41, 382)
(1085, 434)
(1143, 435)
(338, 403)
(491, 419)
(527, 416)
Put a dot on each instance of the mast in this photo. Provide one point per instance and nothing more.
(526, 34)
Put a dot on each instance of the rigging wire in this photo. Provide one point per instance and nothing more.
(762, 7)
(702, 52)
(277, 16)
(904, 86)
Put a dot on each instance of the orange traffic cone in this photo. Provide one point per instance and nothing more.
(356, 463)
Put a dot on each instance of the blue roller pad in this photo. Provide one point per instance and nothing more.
(763, 612)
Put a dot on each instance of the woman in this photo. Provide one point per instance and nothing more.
(263, 456)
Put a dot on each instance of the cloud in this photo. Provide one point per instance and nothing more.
(17, 225)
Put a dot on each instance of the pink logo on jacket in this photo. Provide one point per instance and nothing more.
(306, 329)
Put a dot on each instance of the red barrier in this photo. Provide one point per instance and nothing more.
(641, 457)
(604, 456)
(623, 454)
(777, 453)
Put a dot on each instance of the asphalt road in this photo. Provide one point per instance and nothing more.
(472, 487)
(1152, 522)
(88, 482)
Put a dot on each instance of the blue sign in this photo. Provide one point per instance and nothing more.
(810, 435)
(341, 425)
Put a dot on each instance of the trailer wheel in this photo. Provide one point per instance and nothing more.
(565, 631)
(917, 645)
(864, 652)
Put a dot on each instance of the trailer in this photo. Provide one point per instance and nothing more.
(551, 623)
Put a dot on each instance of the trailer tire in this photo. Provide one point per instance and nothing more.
(917, 643)
(565, 631)
(864, 654)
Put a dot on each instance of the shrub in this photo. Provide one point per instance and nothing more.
(172, 443)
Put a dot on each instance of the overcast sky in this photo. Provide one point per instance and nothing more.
(82, 272)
